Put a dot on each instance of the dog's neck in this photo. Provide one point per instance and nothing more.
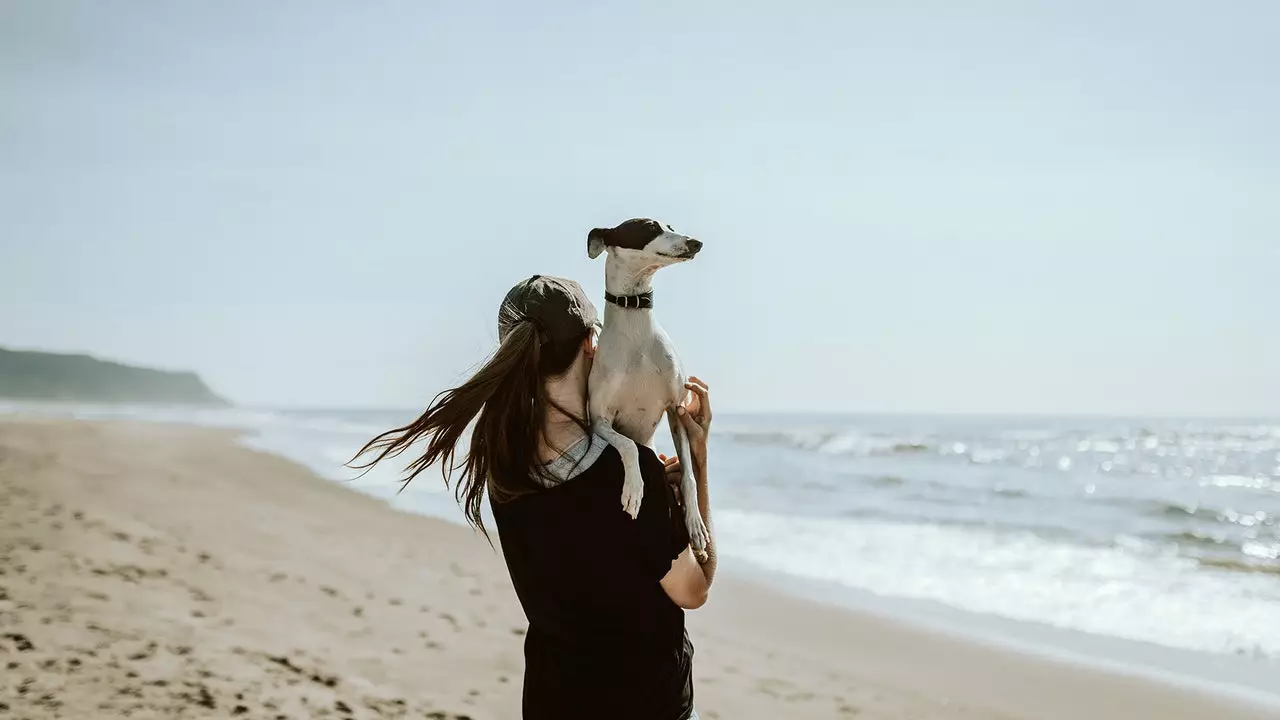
(624, 279)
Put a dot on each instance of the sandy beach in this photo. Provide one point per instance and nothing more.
(155, 571)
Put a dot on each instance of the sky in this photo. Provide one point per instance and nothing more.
(956, 207)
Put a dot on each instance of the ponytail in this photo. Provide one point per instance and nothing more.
(509, 396)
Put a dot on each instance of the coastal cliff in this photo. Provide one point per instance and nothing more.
(28, 375)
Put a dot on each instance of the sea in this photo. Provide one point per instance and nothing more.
(1157, 537)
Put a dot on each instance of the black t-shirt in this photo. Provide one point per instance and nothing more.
(604, 639)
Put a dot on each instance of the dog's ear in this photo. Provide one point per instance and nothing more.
(595, 242)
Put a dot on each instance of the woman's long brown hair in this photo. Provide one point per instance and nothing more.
(510, 396)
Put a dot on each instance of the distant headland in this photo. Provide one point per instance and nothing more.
(28, 375)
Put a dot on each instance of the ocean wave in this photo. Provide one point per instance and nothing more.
(830, 442)
(1192, 537)
(1010, 492)
(1137, 591)
(1178, 511)
(1255, 482)
(1240, 566)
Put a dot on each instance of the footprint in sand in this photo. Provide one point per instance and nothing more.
(20, 642)
(146, 653)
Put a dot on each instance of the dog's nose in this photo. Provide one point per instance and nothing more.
(694, 245)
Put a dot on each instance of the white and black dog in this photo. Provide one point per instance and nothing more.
(636, 376)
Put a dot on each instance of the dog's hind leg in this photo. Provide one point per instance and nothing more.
(698, 535)
(632, 480)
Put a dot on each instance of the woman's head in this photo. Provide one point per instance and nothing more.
(560, 312)
(546, 331)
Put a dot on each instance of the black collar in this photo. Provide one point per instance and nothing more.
(643, 301)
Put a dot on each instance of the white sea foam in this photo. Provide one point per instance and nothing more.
(1241, 481)
(828, 441)
(1131, 591)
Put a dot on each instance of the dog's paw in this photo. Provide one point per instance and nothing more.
(699, 538)
(632, 494)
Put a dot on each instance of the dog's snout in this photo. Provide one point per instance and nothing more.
(694, 245)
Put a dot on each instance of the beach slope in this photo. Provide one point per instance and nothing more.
(167, 572)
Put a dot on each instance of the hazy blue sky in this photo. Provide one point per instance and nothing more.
(907, 206)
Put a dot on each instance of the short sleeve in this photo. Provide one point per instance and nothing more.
(663, 535)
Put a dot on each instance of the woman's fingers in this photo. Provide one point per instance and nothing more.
(690, 401)
(671, 465)
(673, 475)
(704, 401)
(691, 425)
(673, 478)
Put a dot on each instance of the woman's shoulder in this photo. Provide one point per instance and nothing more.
(610, 458)
(592, 463)
(602, 458)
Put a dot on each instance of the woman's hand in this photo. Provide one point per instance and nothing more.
(693, 568)
(673, 475)
(695, 415)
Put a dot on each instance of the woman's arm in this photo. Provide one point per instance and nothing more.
(688, 583)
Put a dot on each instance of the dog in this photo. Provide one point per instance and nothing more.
(636, 376)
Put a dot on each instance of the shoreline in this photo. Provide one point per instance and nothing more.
(1245, 679)
(270, 579)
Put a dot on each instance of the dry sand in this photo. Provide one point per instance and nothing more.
(166, 572)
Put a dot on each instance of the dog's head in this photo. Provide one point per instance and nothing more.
(644, 240)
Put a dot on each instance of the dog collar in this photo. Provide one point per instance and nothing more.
(643, 301)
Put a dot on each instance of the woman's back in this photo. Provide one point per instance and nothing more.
(604, 639)
(603, 592)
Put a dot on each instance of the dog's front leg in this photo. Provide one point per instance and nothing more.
(632, 480)
(698, 536)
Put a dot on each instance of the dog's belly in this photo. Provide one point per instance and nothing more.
(634, 383)
(638, 425)
(642, 401)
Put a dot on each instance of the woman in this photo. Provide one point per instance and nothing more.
(604, 594)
